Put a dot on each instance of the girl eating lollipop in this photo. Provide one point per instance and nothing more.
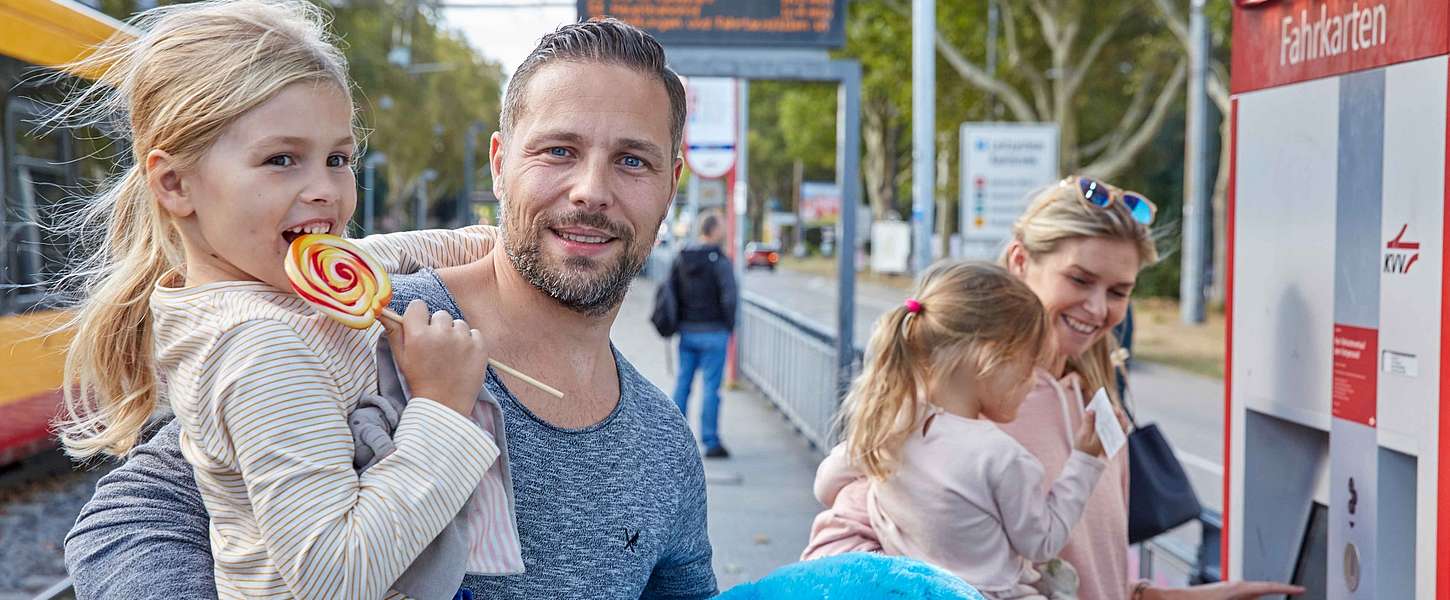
(242, 137)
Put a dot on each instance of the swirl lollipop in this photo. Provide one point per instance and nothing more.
(341, 281)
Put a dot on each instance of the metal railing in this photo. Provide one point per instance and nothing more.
(793, 362)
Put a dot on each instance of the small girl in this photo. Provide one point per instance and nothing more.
(924, 471)
(241, 124)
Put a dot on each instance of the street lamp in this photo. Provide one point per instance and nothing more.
(470, 147)
(370, 169)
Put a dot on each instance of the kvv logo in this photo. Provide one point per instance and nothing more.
(1400, 255)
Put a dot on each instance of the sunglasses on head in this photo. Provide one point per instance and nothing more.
(1101, 195)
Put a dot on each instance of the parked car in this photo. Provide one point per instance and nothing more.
(760, 254)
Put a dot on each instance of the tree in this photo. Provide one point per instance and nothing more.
(1101, 91)
(1217, 15)
(417, 114)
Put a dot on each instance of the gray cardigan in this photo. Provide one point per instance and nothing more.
(439, 569)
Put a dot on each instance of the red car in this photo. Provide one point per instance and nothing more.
(758, 254)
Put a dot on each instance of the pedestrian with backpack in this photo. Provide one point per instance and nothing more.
(702, 284)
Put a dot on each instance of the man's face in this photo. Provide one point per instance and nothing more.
(585, 177)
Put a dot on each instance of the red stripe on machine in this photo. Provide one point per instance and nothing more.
(1442, 484)
(1228, 355)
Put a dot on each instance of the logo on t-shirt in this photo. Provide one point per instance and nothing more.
(630, 539)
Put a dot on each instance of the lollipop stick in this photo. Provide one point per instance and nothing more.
(396, 320)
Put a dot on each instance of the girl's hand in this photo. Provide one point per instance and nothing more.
(1087, 435)
(442, 358)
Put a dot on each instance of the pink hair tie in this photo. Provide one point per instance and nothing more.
(912, 306)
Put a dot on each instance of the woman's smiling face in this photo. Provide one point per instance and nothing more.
(1084, 285)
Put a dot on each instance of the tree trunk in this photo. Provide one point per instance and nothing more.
(879, 161)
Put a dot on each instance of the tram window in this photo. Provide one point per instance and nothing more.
(44, 147)
(45, 175)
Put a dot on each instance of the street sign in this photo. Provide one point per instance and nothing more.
(814, 23)
(1002, 164)
(710, 130)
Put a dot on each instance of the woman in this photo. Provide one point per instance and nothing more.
(1079, 246)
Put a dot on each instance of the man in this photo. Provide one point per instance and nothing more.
(704, 283)
(607, 484)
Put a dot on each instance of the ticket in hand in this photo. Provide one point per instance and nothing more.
(1110, 432)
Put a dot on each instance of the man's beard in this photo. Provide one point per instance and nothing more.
(577, 284)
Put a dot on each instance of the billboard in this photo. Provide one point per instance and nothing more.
(820, 203)
(809, 23)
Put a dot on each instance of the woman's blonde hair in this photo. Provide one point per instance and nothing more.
(1059, 214)
(971, 313)
(192, 71)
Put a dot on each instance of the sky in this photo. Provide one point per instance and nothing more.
(508, 34)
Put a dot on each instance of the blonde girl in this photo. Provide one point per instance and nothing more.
(241, 125)
(938, 480)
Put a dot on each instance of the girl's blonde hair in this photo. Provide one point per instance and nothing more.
(1059, 214)
(971, 313)
(191, 72)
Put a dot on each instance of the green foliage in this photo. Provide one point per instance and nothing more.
(417, 117)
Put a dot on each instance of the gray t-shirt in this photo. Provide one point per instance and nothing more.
(614, 510)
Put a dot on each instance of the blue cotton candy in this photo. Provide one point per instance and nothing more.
(855, 575)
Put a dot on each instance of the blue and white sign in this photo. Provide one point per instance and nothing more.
(1002, 164)
(710, 125)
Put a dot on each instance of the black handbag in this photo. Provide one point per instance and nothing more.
(1160, 497)
(666, 314)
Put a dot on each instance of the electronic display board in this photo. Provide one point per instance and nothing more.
(801, 23)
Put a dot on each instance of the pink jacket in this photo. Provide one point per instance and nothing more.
(1096, 546)
(965, 497)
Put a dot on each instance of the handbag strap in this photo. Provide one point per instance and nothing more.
(1122, 373)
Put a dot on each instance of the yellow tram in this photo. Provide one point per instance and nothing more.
(37, 174)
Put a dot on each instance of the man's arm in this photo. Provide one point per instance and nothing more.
(409, 251)
(729, 295)
(685, 570)
(144, 533)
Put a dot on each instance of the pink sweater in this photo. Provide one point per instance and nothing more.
(965, 497)
(1098, 546)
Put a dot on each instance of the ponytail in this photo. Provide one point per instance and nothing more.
(883, 404)
(110, 376)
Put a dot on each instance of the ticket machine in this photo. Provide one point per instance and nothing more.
(1336, 441)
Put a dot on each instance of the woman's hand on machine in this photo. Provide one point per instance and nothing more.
(1225, 590)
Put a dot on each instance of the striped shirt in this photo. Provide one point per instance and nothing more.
(262, 385)
(493, 538)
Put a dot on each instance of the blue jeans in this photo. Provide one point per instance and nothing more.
(703, 350)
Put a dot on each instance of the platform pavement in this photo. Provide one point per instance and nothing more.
(760, 500)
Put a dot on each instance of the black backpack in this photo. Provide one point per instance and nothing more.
(666, 315)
